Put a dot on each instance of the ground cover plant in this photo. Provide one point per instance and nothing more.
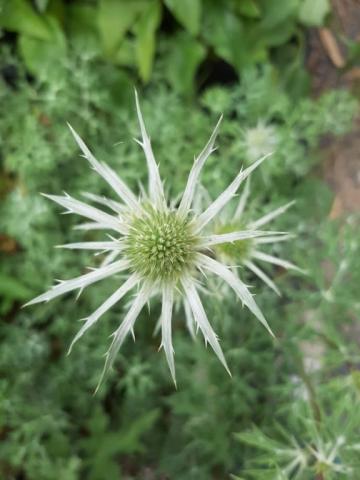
(288, 411)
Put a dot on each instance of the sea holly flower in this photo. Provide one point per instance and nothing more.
(248, 252)
(260, 140)
(162, 249)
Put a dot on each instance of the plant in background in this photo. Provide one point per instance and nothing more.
(264, 117)
(129, 34)
(260, 140)
(246, 252)
(312, 444)
(164, 248)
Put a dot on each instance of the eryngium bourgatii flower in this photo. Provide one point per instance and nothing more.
(260, 140)
(248, 252)
(164, 250)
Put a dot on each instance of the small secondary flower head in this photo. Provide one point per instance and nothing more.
(248, 252)
(164, 250)
(260, 140)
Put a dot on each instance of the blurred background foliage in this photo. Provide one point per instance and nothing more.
(129, 33)
(287, 412)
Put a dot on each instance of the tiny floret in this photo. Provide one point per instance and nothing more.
(160, 245)
(161, 250)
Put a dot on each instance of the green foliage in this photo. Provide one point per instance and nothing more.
(145, 44)
(114, 19)
(103, 445)
(314, 13)
(310, 442)
(40, 55)
(11, 290)
(182, 56)
(138, 426)
(129, 33)
(188, 13)
(19, 16)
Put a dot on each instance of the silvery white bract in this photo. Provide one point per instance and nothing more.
(161, 248)
(248, 252)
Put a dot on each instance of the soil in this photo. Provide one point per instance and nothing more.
(342, 173)
(328, 65)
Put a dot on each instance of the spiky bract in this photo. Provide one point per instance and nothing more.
(238, 251)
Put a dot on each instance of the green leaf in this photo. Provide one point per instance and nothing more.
(224, 31)
(234, 40)
(185, 54)
(121, 89)
(131, 439)
(57, 8)
(104, 444)
(312, 13)
(187, 12)
(82, 28)
(145, 30)
(248, 8)
(125, 56)
(19, 16)
(115, 17)
(295, 79)
(275, 36)
(40, 55)
(41, 5)
(278, 12)
(12, 289)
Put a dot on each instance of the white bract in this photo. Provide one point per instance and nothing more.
(247, 252)
(162, 249)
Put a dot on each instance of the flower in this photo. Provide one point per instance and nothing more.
(162, 249)
(247, 252)
(260, 140)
